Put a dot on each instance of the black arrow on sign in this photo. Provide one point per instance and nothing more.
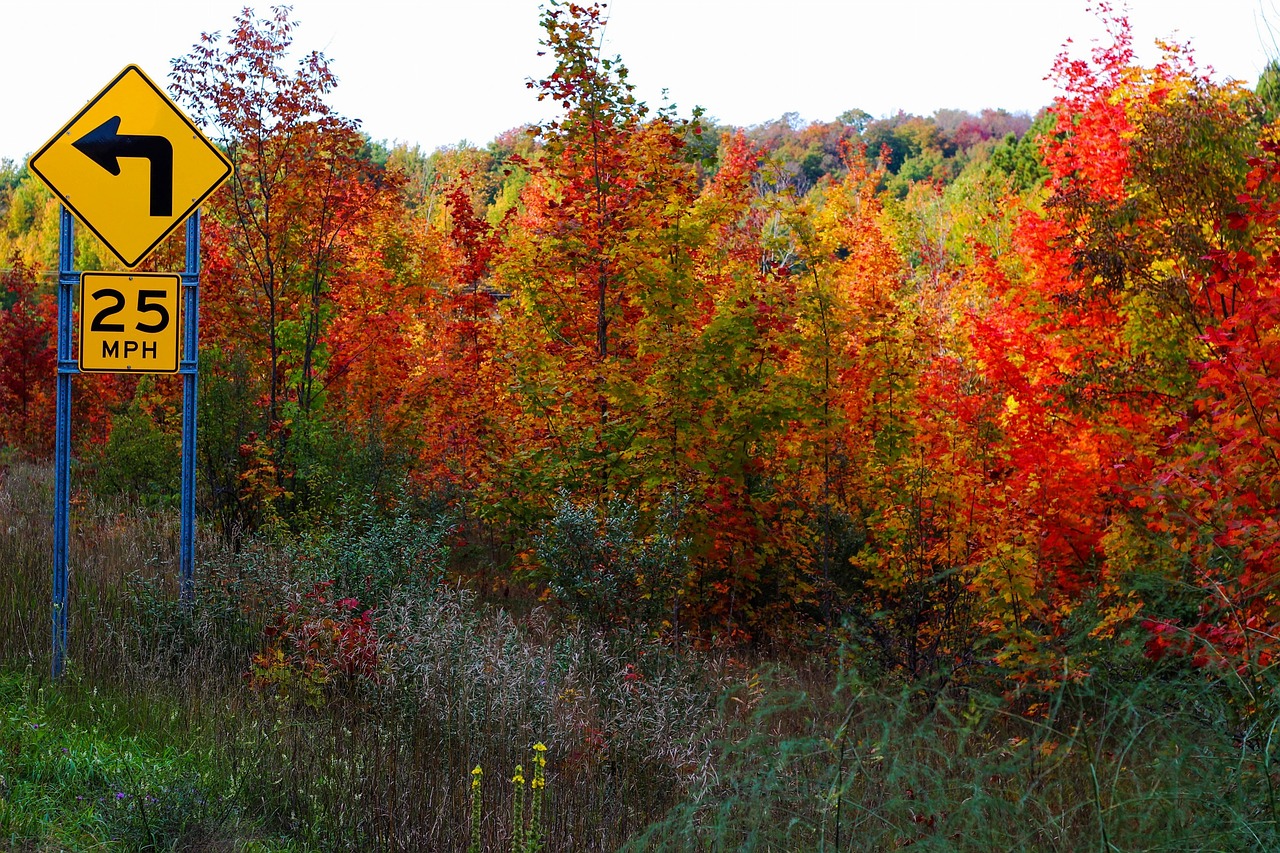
(104, 145)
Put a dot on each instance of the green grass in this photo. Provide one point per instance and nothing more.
(85, 769)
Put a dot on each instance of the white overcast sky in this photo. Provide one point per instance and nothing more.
(435, 72)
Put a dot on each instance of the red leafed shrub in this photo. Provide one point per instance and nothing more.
(1210, 644)
(27, 361)
(318, 648)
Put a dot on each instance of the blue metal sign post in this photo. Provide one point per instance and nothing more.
(189, 368)
(67, 279)
(68, 367)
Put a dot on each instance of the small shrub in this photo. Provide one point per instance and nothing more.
(371, 555)
(318, 647)
(142, 456)
(600, 562)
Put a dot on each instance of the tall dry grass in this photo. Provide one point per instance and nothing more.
(383, 762)
(649, 748)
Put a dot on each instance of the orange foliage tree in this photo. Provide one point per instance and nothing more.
(28, 358)
(1081, 346)
(292, 245)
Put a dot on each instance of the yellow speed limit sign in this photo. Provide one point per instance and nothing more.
(129, 322)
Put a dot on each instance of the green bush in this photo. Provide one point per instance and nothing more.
(607, 565)
(370, 554)
(141, 458)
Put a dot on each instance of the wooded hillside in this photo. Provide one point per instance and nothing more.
(954, 392)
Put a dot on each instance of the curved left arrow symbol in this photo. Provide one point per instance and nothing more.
(104, 145)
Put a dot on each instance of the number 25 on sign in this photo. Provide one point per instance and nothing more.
(129, 322)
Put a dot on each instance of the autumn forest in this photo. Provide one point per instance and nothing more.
(864, 484)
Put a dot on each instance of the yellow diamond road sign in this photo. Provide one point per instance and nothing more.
(129, 322)
(131, 166)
